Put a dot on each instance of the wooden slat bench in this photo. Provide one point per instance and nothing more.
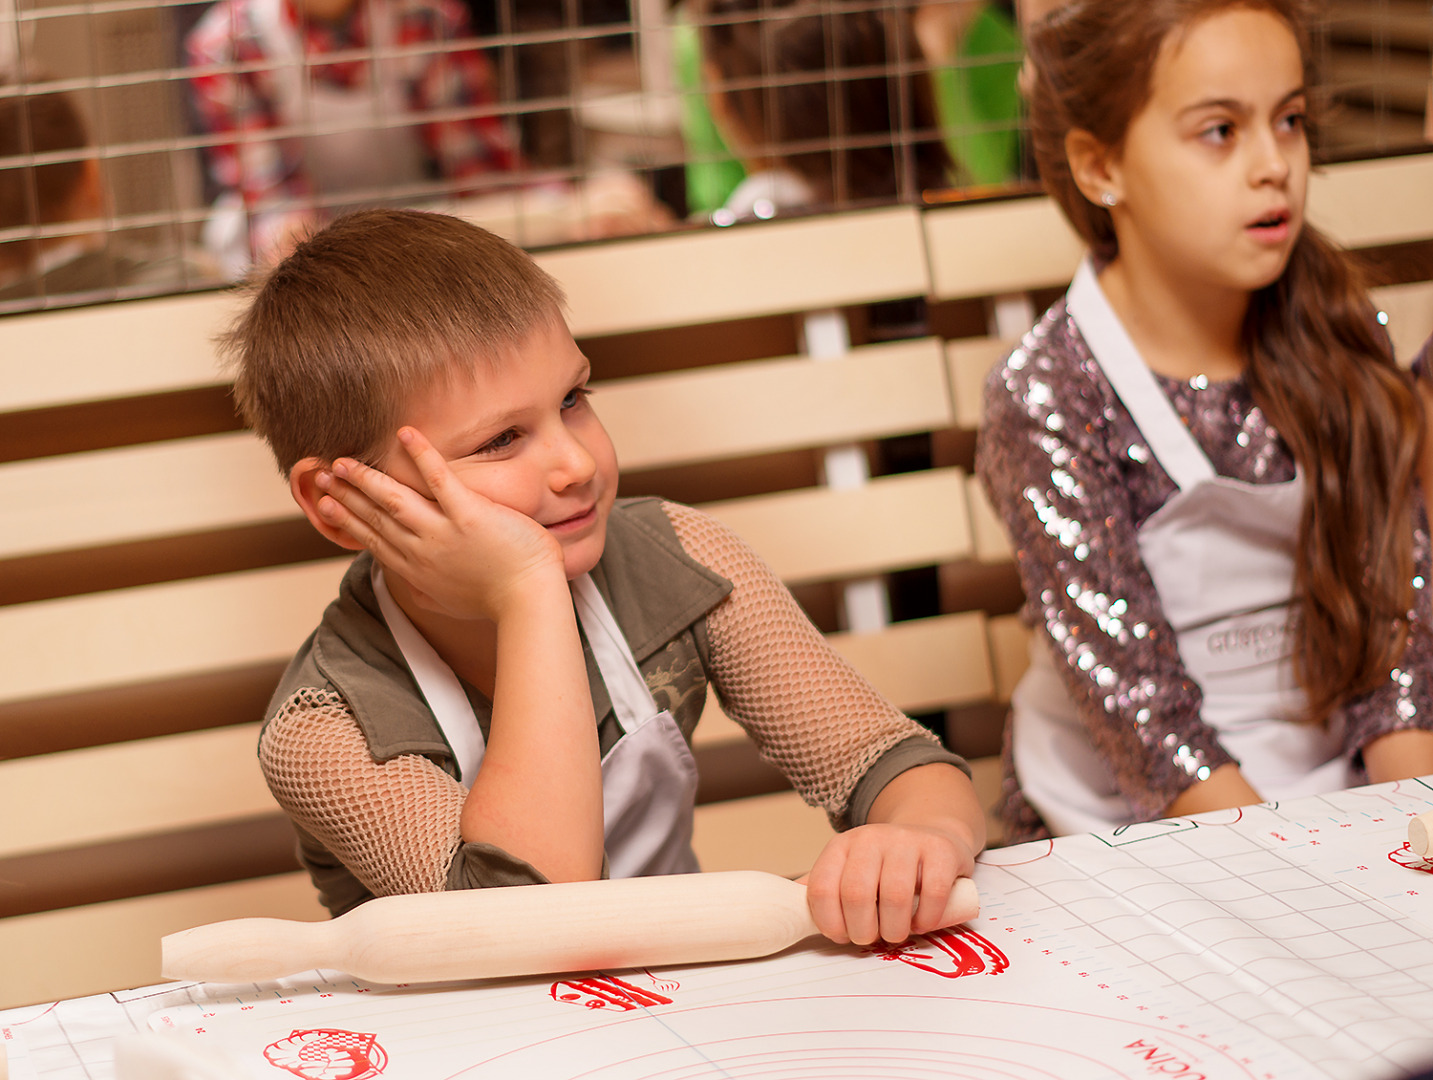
(154, 577)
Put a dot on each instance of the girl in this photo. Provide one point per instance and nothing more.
(1204, 454)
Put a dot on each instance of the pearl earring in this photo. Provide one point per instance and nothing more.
(1108, 198)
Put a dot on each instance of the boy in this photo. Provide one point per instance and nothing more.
(449, 725)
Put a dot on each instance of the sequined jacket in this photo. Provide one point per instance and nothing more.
(1073, 480)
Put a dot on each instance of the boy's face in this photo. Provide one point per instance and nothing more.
(522, 433)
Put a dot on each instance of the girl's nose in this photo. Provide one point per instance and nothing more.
(1271, 161)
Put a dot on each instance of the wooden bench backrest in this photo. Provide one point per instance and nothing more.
(155, 576)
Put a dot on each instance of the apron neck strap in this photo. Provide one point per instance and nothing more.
(436, 681)
(632, 701)
(1112, 348)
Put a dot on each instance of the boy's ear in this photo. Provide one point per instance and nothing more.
(303, 486)
(1094, 168)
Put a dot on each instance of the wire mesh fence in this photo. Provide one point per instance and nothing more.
(153, 146)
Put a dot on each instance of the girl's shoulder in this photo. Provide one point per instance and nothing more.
(1051, 371)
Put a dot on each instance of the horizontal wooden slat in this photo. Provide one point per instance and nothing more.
(131, 789)
(229, 480)
(162, 631)
(1364, 203)
(777, 833)
(1009, 653)
(822, 534)
(115, 945)
(120, 349)
(63, 721)
(924, 664)
(767, 406)
(1402, 23)
(119, 869)
(1391, 79)
(1001, 247)
(992, 543)
(711, 275)
(162, 489)
(970, 362)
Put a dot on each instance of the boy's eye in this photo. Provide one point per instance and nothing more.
(576, 396)
(498, 442)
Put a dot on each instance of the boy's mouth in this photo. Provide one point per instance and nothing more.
(576, 521)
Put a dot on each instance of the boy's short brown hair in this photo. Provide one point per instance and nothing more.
(378, 305)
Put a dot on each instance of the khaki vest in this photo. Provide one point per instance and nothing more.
(658, 594)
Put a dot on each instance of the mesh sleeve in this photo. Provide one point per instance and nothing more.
(394, 824)
(810, 713)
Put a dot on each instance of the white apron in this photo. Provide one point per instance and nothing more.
(649, 777)
(1221, 555)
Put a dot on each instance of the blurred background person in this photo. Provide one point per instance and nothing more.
(321, 105)
(55, 214)
(806, 130)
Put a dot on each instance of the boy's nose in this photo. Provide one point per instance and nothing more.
(571, 463)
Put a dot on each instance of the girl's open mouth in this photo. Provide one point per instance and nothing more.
(1274, 225)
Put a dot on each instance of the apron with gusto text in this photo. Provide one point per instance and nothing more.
(1221, 555)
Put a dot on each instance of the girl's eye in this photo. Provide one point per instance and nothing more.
(1218, 134)
(1293, 121)
(576, 396)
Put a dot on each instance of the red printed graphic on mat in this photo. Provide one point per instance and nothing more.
(328, 1054)
(950, 954)
(1406, 856)
(606, 992)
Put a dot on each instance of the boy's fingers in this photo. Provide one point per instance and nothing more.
(378, 498)
(937, 879)
(860, 893)
(357, 504)
(433, 468)
(896, 901)
(823, 897)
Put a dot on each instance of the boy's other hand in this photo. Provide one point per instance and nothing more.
(886, 882)
(461, 553)
(891, 877)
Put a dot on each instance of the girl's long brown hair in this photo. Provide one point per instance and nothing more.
(1318, 365)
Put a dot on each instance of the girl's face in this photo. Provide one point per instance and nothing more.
(1211, 178)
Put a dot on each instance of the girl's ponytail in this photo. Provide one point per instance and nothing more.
(1322, 372)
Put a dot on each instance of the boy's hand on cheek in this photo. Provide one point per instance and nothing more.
(463, 554)
(886, 882)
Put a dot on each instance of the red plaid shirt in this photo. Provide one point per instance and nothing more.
(264, 172)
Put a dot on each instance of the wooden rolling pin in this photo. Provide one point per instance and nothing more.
(522, 930)
(1420, 834)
